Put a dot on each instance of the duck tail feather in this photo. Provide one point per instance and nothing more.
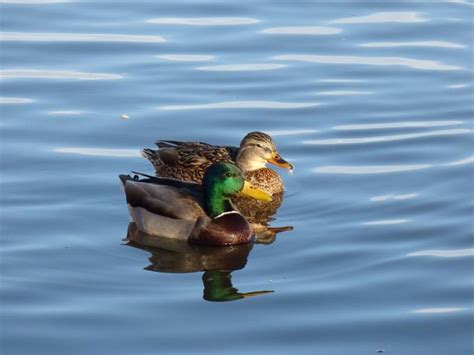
(124, 178)
(167, 144)
(146, 175)
(148, 153)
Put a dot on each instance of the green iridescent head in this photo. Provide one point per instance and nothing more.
(222, 181)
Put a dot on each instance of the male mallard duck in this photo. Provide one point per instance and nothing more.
(191, 212)
(187, 161)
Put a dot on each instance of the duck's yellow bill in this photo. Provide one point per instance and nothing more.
(250, 190)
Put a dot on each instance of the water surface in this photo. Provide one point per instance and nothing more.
(373, 103)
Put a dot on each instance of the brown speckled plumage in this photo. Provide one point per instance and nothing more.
(265, 179)
(257, 211)
(186, 161)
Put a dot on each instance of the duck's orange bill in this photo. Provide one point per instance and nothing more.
(250, 190)
(277, 160)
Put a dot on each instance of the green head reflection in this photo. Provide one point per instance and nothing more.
(218, 287)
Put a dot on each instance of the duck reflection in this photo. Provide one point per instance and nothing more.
(267, 235)
(218, 287)
(217, 263)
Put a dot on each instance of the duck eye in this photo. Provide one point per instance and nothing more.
(229, 175)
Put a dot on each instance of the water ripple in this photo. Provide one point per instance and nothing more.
(56, 74)
(388, 61)
(65, 113)
(241, 67)
(78, 37)
(439, 310)
(187, 57)
(100, 152)
(398, 137)
(381, 169)
(437, 44)
(393, 197)
(372, 169)
(343, 93)
(466, 161)
(302, 30)
(204, 21)
(342, 80)
(385, 222)
(384, 17)
(454, 253)
(463, 2)
(33, 2)
(412, 124)
(457, 86)
(242, 104)
(4, 100)
(290, 132)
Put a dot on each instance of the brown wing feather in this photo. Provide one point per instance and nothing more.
(186, 161)
(168, 156)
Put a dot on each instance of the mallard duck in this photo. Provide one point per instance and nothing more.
(187, 161)
(192, 212)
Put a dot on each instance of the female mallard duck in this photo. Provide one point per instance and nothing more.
(188, 211)
(187, 161)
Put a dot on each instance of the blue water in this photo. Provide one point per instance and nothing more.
(373, 103)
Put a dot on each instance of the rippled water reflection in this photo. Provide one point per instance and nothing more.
(371, 101)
